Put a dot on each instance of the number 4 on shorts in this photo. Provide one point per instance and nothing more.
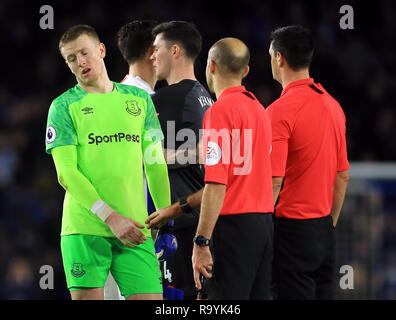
(167, 273)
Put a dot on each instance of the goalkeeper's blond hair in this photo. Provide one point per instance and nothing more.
(74, 32)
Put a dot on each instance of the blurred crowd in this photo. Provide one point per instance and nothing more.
(358, 67)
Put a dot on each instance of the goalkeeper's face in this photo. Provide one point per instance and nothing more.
(84, 56)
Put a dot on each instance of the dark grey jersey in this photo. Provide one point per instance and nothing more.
(182, 106)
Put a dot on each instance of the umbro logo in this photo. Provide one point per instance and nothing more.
(87, 110)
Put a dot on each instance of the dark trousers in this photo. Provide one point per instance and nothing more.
(242, 256)
(304, 258)
(177, 270)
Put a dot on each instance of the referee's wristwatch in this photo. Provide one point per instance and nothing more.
(184, 206)
(201, 241)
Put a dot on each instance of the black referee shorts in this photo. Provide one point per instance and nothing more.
(304, 258)
(242, 256)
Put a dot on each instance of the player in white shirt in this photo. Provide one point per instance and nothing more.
(133, 80)
(137, 35)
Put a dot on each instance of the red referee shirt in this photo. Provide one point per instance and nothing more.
(237, 141)
(308, 148)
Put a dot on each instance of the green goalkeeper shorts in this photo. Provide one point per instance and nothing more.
(87, 260)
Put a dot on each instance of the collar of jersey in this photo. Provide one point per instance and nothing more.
(86, 92)
(297, 83)
(228, 91)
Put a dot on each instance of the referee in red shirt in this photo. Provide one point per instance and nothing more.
(309, 169)
(237, 201)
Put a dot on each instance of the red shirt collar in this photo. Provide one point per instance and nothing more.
(228, 91)
(297, 83)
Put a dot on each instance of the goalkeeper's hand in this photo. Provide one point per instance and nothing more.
(166, 242)
(125, 229)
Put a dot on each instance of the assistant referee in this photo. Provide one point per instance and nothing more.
(309, 169)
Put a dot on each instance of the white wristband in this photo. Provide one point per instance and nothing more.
(101, 210)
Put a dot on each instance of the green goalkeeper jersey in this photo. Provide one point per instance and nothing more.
(108, 131)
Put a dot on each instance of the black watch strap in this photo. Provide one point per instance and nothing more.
(184, 205)
(201, 241)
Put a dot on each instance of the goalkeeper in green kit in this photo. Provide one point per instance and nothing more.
(99, 134)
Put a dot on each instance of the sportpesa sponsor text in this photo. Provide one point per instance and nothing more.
(117, 137)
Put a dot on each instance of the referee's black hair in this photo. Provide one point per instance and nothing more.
(295, 43)
(184, 33)
(135, 38)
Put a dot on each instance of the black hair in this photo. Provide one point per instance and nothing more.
(135, 38)
(295, 43)
(184, 33)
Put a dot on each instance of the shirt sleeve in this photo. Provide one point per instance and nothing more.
(60, 128)
(154, 162)
(152, 129)
(281, 132)
(217, 145)
(156, 172)
(343, 163)
(71, 179)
